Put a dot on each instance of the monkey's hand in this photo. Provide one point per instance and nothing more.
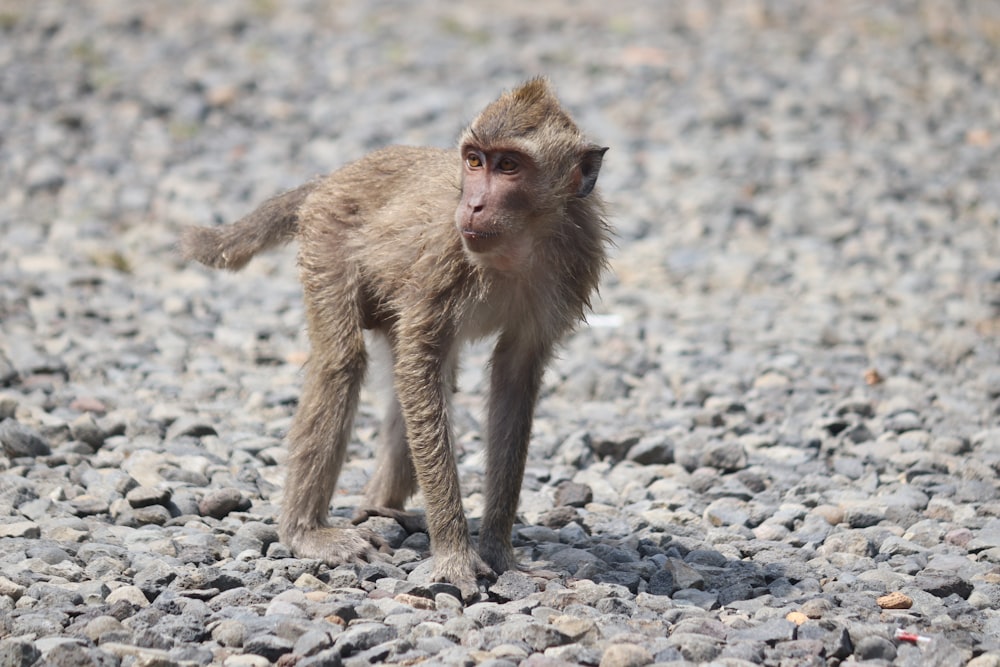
(462, 569)
(336, 546)
(410, 521)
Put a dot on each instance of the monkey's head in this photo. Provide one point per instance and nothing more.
(525, 163)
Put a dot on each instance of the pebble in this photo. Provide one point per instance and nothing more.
(21, 440)
(625, 655)
(779, 422)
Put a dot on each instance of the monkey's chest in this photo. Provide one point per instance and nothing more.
(513, 309)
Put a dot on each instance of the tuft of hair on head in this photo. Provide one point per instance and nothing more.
(521, 112)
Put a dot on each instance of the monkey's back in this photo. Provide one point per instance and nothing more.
(389, 219)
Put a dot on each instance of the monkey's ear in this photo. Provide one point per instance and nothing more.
(590, 167)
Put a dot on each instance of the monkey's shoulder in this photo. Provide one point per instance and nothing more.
(395, 181)
(400, 164)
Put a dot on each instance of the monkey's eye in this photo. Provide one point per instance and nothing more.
(507, 164)
(473, 160)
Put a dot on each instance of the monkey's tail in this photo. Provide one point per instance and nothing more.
(273, 223)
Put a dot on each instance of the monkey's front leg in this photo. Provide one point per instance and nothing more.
(515, 380)
(422, 391)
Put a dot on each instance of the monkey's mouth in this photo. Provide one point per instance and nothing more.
(480, 241)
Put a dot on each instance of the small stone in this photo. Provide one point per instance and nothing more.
(577, 629)
(312, 642)
(221, 502)
(18, 652)
(941, 583)
(661, 583)
(89, 505)
(874, 647)
(362, 636)
(85, 429)
(727, 512)
(513, 585)
(131, 594)
(26, 529)
(771, 380)
(190, 427)
(832, 514)
(653, 449)
(573, 494)
(415, 601)
(88, 404)
(625, 655)
(10, 588)
(269, 646)
(684, 576)
(796, 617)
(558, 516)
(20, 440)
(771, 632)
(816, 608)
(895, 600)
(144, 496)
(726, 457)
(103, 626)
(229, 632)
(153, 578)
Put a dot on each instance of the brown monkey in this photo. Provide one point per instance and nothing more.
(430, 248)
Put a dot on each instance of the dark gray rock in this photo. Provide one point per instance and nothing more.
(875, 648)
(835, 637)
(362, 636)
(513, 585)
(312, 642)
(652, 449)
(190, 427)
(327, 658)
(70, 654)
(154, 578)
(252, 536)
(769, 632)
(942, 583)
(269, 646)
(144, 496)
(221, 502)
(662, 583)
(21, 440)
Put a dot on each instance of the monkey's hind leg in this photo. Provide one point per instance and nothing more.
(320, 433)
(318, 442)
(394, 480)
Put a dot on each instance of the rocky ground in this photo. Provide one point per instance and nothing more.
(776, 442)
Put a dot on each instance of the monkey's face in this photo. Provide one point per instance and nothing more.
(497, 200)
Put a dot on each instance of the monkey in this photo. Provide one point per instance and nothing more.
(429, 248)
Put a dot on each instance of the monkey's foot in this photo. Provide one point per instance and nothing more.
(502, 559)
(499, 554)
(462, 569)
(410, 521)
(336, 546)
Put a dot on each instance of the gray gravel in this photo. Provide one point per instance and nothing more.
(783, 416)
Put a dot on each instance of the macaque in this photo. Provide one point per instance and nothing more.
(430, 248)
